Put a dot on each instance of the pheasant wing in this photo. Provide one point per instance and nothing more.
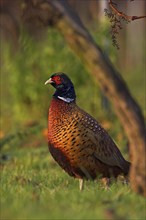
(105, 149)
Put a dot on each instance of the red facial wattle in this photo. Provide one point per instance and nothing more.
(57, 80)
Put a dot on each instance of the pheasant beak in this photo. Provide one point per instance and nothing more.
(49, 81)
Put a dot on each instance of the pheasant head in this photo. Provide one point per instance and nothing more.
(64, 87)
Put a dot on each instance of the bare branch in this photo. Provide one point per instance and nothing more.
(116, 19)
(121, 14)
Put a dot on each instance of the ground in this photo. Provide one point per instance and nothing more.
(35, 187)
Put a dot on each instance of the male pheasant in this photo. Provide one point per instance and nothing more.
(76, 140)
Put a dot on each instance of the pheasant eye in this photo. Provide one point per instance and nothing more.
(57, 80)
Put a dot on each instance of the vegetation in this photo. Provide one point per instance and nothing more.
(32, 184)
(24, 72)
(34, 187)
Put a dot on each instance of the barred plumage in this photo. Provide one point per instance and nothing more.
(76, 140)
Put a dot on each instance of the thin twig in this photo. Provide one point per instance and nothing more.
(121, 14)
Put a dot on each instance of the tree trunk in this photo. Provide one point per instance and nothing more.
(62, 17)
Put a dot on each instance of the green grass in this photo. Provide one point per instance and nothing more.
(35, 187)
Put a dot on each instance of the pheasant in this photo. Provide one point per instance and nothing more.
(76, 140)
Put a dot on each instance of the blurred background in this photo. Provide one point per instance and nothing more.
(32, 51)
(32, 184)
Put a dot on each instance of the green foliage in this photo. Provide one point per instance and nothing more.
(24, 74)
(25, 98)
(34, 187)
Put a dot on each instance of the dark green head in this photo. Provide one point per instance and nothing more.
(64, 87)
